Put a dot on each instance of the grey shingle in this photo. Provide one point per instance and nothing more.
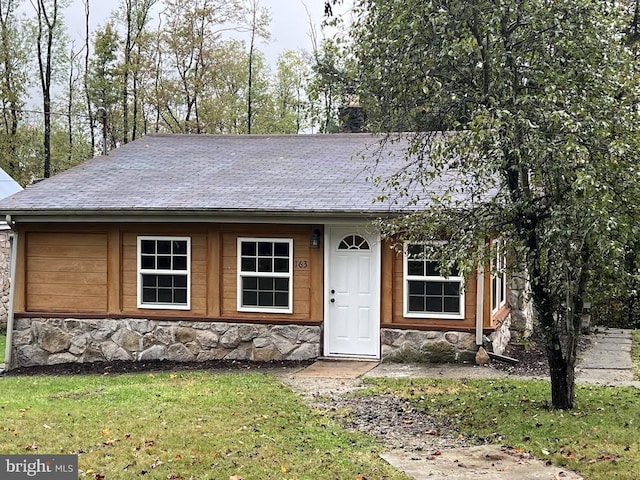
(312, 174)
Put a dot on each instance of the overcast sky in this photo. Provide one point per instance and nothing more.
(290, 22)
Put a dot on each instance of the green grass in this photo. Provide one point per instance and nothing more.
(181, 425)
(600, 438)
(635, 354)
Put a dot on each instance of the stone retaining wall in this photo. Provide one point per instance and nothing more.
(41, 341)
(4, 279)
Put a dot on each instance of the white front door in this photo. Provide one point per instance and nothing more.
(352, 326)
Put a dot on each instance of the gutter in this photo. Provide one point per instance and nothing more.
(13, 248)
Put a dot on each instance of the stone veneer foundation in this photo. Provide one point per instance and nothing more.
(50, 341)
(42, 341)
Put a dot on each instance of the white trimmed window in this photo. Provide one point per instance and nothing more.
(498, 276)
(427, 293)
(164, 269)
(265, 275)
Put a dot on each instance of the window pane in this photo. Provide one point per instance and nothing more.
(149, 280)
(281, 265)
(281, 299)
(148, 263)
(149, 295)
(452, 305)
(416, 288)
(180, 281)
(164, 263)
(148, 246)
(265, 299)
(434, 288)
(265, 283)
(179, 263)
(265, 249)
(164, 247)
(250, 283)
(415, 251)
(265, 265)
(248, 249)
(281, 249)
(282, 284)
(432, 269)
(249, 298)
(179, 247)
(180, 296)
(248, 265)
(452, 288)
(434, 304)
(416, 304)
(165, 295)
(415, 267)
(165, 281)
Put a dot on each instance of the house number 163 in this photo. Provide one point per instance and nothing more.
(301, 264)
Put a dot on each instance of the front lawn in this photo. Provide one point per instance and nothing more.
(181, 425)
(600, 438)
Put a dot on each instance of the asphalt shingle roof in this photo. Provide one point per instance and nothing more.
(300, 174)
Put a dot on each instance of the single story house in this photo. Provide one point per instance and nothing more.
(257, 247)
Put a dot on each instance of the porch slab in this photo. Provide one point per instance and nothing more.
(337, 369)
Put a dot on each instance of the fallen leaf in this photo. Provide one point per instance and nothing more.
(235, 476)
(432, 432)
(283, 469)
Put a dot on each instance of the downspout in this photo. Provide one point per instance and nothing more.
(13, 248)
(480, 306)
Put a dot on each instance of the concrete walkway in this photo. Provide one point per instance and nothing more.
(607, 361)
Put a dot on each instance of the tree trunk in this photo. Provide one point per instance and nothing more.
(86, 78)
(561, 373)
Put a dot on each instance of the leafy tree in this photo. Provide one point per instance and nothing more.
(104, 80)
(258, 21)
(192, 29)
(49, 33)
(542, 100)
(292, 76)
(135, 17)
(333, 80)
(13, 83)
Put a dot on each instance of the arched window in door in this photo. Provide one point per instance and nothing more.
(353, 242)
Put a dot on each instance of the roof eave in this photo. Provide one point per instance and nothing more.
(192, 216)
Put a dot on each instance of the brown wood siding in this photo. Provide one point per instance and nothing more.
(98, 264)
(65, 272)
(398, 317)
